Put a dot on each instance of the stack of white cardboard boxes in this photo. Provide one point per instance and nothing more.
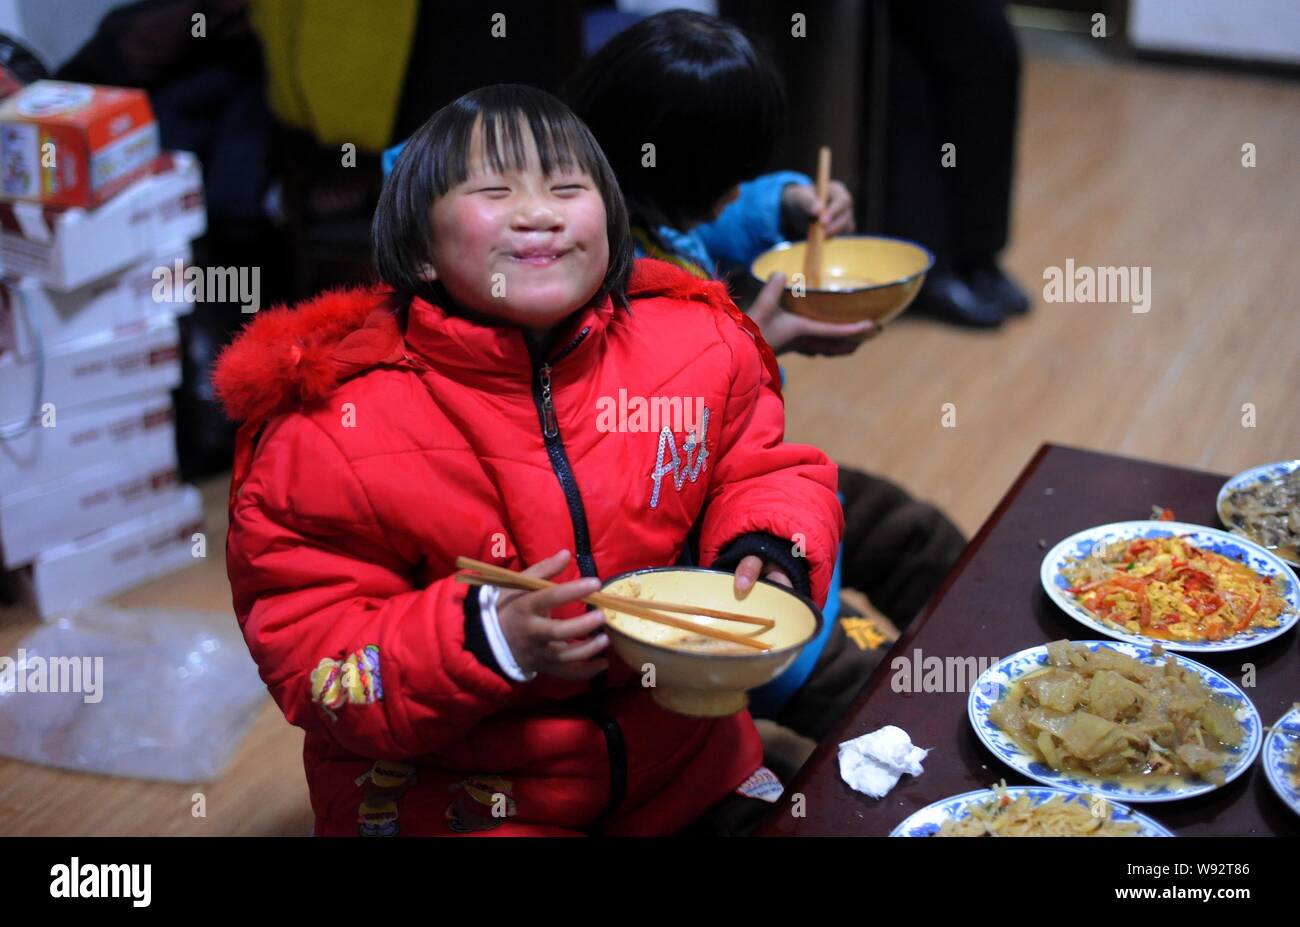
(90, 500)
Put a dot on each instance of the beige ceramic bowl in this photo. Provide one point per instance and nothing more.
(708, 685)
(863, 277)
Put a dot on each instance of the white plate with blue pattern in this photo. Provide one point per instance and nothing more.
(1273, 471)
(1052, 575)
(997, 680)
(927, 821)
(1282, 758)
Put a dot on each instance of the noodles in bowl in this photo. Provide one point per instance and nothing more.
(701, 676)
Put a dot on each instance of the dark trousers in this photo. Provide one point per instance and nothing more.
(954, 76)
(897, 549)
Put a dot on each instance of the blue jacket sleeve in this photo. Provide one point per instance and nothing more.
(390, 157)
(752, 222)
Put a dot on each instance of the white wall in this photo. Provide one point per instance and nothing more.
(1264, 29)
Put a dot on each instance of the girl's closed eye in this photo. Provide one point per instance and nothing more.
(563, 188)
(491, 186)
(564, 179)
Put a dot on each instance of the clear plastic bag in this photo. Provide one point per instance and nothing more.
(154, 693)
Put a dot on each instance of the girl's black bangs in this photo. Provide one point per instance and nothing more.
(559, 138)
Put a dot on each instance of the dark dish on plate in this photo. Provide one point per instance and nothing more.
(1267, 512)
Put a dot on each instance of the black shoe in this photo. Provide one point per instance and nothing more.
(948, 297)
(992, 284)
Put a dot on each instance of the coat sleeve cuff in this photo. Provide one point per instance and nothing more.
(476, 639)
(773, 550)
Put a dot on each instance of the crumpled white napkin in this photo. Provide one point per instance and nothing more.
(873, 763)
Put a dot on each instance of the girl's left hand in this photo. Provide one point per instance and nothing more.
(750, 568)
(799, 207)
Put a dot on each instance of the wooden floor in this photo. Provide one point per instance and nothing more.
(1119, 165)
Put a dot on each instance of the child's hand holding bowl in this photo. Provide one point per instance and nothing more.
(785, 331)
(751, 568)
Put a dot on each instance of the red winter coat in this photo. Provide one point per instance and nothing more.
(370, 459)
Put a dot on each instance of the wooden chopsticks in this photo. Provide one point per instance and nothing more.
(812, 256)
(489, 574)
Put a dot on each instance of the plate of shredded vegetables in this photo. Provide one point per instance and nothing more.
(1129, 722)
(1028, 811)
(1282, 758)
(1263, 504)
(1193, 589)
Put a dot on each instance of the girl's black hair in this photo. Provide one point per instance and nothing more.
(697, 89)
(436, 158)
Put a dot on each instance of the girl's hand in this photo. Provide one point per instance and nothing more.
(539, 643)
(799, 207)
(750, 568)
(785, 331)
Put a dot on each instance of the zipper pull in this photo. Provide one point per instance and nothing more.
(550, 427)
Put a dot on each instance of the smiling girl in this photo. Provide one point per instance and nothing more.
(452, 410)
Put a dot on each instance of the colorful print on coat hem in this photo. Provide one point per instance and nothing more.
(480, 803)
(383, 784)
(378, 817)
(352, 681)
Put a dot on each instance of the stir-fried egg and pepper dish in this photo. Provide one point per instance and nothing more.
(1166, 588)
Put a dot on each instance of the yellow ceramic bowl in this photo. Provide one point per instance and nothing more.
(708, 685)
(863, 277)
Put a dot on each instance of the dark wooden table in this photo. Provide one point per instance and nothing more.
(991, 605)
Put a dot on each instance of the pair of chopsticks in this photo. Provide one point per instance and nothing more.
(812, 256)
(487, 574)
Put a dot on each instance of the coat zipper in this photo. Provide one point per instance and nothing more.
(615, 744)
(551, 437)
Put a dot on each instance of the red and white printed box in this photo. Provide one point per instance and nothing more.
(93, 369)
(9, 82)
(120, 304)
(74, 144)
(113, 560)
(66, 247)
(55, 512)
(130, 430)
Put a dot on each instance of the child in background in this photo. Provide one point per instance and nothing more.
(454, 411)
(711, 104)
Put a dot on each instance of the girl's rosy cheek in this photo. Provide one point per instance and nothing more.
(474, 221)
(593, 215)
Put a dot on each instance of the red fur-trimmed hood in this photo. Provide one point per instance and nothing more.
(289, 357)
